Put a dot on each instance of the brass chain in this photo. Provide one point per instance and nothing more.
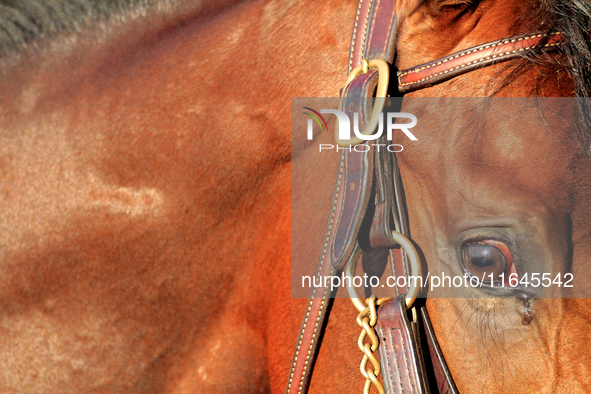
(367, 320)
(368, 316)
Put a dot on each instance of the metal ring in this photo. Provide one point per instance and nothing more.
(415, 265)
(378, 107)
(415, 270)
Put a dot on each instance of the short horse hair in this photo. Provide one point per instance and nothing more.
(24, 21)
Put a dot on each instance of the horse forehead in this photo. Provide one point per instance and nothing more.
(517, 155)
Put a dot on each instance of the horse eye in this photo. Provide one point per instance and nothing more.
(487, 259)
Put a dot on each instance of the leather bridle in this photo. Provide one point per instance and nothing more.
(459, 63)
(377, 174)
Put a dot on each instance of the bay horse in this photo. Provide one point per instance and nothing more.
(145, 194)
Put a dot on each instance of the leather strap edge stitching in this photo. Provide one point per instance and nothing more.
(412, 71)
(305, 323)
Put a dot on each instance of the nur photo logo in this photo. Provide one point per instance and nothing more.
(343, 129)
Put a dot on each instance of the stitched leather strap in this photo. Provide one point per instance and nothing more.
(373, 35)
(451, 66)
(400, 356)
(374, 32)
(350, 201)
(318, 303)
(307, 345)
(356, 182)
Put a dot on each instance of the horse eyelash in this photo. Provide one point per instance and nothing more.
(439, 6)
(453, 3)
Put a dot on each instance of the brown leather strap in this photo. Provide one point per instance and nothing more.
(445, 383)
(356, 183)
(350, 200)
(374, 32)
(318, 303)
(351, 206)
(358, 38)
(380, 234)
(373, 35)
(400, 356)
(307, 345)
(458, 63)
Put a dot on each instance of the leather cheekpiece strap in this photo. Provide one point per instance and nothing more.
(401, 361)
(374, 32)
(400, 353)
(445, 382)
(356, 182)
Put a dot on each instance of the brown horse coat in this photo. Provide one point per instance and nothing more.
(145, 188)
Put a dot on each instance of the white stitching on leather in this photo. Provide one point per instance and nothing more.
(407, 362)
(447, 59)
(354, 36)
(305, 324)
(372, 25)
(395, 358)
(365, 28)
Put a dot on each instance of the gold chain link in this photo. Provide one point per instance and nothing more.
(367, 320)
(368, 316)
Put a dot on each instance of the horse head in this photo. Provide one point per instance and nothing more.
(145, 191)
(521, 181)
